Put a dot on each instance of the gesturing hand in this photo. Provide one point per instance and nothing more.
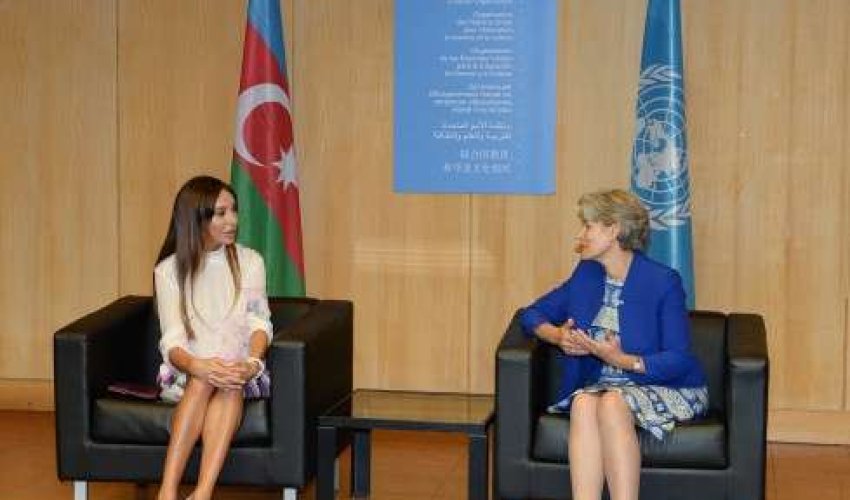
(609, 349)
(571, 341)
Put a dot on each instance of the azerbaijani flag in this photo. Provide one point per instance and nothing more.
(263, 169)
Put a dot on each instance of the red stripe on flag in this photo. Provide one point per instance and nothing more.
(285, 207)
(265, 139)
(258, 63)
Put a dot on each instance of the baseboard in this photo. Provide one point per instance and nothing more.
(815, 427)
(26, 394)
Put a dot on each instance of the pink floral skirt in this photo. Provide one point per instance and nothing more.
(172, 383)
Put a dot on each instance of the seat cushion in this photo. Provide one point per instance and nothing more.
(701, 443)
(117, 420)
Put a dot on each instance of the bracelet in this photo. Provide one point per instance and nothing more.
(637, 365)
(259, 363)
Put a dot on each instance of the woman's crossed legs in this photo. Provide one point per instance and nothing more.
(603, 447)
(204, 411)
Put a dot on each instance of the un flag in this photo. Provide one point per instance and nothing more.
(659, 173)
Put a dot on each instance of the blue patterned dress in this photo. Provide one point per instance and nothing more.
(656, 408)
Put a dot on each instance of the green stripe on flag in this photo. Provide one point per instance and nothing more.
(260, 230)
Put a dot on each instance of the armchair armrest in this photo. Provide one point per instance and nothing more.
(746, 402)
(87, 355)
(311, 365)
(518, 360)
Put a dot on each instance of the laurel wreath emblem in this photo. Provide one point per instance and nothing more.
(657, 73)
(668, 218)
(670, 213)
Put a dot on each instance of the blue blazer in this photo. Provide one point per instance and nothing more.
(653, 318)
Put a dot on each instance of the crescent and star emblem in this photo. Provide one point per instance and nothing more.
(249, 100)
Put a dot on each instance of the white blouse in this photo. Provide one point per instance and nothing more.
(222, 326)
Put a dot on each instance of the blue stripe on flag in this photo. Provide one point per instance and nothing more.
(264, 15)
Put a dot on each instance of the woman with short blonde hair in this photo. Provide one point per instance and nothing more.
(624, 345)
(621, 207)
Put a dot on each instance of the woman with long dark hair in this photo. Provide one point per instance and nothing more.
(214, 318)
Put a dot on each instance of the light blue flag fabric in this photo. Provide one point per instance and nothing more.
(659, 174)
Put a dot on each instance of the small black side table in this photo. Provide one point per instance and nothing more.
(365, 410)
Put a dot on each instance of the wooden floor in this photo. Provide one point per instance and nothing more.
(405, 465)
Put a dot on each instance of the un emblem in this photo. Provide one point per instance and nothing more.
(659, 159)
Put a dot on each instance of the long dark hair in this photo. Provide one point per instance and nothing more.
(194, 207)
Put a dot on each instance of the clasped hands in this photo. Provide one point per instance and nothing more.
(224, 374)
(576, 342)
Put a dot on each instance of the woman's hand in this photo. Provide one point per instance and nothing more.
(246, 370)
(217, 372)
(570, 340)
(608, 349)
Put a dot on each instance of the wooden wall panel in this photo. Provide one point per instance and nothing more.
(712, 42)
(843, 225)
(761, 231)
(403, 259)
(58, 199)
(814, 340)
(523, 245)
(178, 77)
(765, 91)
(110, 106)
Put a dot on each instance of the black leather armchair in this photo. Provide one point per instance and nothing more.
(721, 456)
(102, 437)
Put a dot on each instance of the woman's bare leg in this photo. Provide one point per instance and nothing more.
(585, 448)
(224, 415)
(620, 448)
(186, 425)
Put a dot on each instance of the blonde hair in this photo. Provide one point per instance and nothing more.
(621, 207)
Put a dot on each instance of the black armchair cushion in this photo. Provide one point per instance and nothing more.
(126, 421)
(701, 443)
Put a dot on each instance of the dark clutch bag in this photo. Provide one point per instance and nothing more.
(135, 390)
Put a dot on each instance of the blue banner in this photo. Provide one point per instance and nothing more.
(659, 174)
(475, 96)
